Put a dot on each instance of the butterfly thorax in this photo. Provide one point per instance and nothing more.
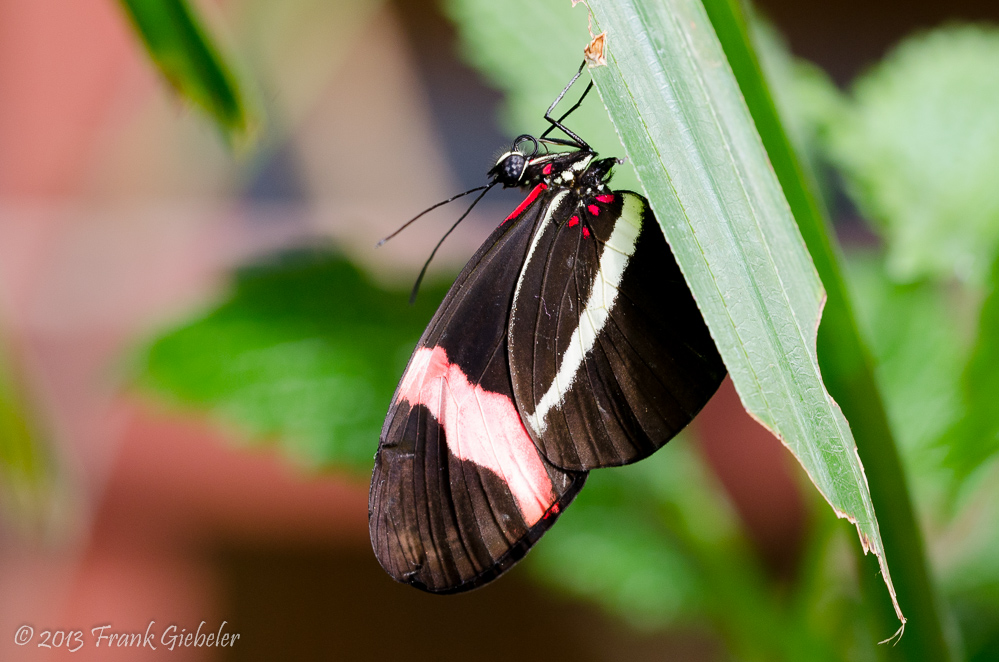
(578, 170)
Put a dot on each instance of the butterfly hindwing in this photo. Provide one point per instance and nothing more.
(459, 491)
(610, 357)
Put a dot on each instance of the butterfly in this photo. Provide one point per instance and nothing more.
(569, 342)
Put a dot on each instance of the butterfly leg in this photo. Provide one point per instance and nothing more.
(557, 123)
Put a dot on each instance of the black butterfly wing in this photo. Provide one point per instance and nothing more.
(459, 491)
(609, 354)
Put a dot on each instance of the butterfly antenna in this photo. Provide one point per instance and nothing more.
(423, 271)
(430, 209)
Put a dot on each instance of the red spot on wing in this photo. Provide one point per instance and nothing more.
(531, 197)
(586, 233)
(547, 169)
(573, 221)
(605, 198)
(481, 427)
(593, 209)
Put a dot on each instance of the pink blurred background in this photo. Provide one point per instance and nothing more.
(121, 211)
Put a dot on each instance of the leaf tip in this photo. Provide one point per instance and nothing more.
(895, 638)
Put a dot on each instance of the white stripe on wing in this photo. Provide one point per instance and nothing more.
(613, 261)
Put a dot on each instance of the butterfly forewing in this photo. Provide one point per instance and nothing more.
(610, 357)
(460, 491)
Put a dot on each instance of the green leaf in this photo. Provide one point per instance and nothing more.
(974, 437)
(685, 125)
(190, 62)
(918, 359)
(919, 149)
(846, 364)
(305, 352)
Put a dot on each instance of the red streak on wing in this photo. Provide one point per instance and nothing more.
(605, 198)
(573, 221)
(586, 233)
(593, 209)
(531, 197)
(480, 427)
(547, 169)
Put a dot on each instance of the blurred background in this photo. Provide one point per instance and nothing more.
(198, 339)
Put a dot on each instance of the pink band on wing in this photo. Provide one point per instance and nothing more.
(481, 427)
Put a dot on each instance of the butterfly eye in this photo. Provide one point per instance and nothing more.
(513, 167)
(509, 170)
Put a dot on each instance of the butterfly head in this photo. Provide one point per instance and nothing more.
(509, 169)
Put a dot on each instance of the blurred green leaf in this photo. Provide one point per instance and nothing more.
(623, 542)
(974, 437)
(655, 543)
(918, 359)
(979, 628)
(190, 62)
(306, 352)
(919, 362)
(971, 576)
(24, 467)
(919, 150)
(17, 453)
(826, 597)
(805, 98)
